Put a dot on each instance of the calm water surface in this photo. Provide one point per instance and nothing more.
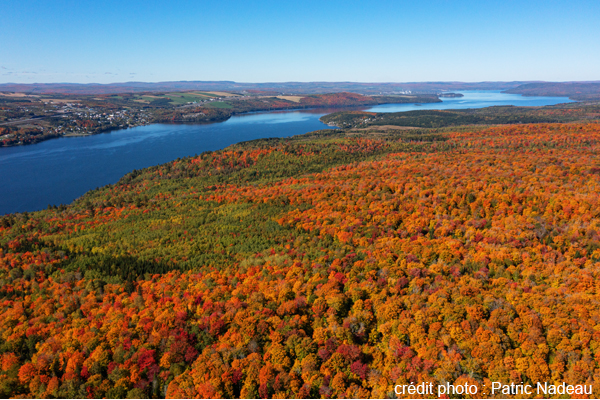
(475, 99)
(60, 170)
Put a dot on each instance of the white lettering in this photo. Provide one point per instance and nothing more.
(496, 386)
(563, 388)
(456, 390)
(423, 388)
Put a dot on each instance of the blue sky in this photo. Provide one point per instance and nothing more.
(275, 41)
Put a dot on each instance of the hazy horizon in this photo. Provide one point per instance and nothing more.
(293, 81)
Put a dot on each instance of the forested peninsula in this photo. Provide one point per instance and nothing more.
(458, 246)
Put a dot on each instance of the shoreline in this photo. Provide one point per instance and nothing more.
(211, 121)
(328, 124)
(234, 113)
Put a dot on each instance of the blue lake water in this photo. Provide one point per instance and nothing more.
(475, 99)
(60, 170)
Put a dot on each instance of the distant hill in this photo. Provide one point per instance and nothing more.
(279, 87)
(575, 90)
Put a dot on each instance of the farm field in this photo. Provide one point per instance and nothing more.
(219, 104)
(295, 99)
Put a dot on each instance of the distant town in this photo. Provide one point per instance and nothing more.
(31, 118)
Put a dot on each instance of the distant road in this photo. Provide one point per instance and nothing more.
(20, 121)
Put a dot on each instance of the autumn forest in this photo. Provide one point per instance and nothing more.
(335, 264)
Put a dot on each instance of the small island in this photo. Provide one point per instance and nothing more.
(451, 95)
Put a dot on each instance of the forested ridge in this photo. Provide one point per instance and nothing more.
(333, 264)
(475, 116)
(581, 91)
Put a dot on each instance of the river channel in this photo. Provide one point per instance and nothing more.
(58, 171)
